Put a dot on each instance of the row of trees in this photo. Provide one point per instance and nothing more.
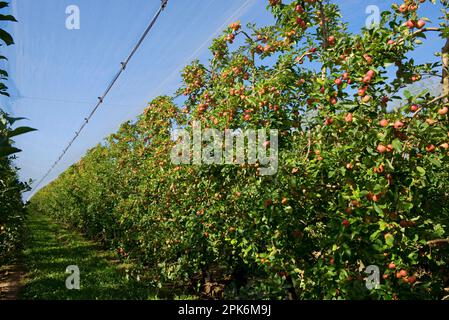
(12, 212)
(362, 174)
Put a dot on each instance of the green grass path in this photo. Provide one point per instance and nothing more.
(51, 248)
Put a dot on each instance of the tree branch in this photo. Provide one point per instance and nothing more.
(430, 102)
(437, 242)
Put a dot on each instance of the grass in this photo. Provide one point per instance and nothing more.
(51, 248)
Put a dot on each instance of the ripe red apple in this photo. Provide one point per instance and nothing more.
(391, 266)
(366, 79)
(345, 76)
(398, 125)
(371, 73)
(412, 279)
(390, 42)
(430, 148)
(300, 22)
(349, 117)
(403, 273)
(362, 92)
(331, 40)
(366, 99)
(383, 123)
(410, 24)
(414, 108)
(299, 9)
(368, 58)
(445, 146)
(379, 169)
(338, 82)
(443, 111)
(235, 26)
(381, 148)
(420, 24)
(346, 223)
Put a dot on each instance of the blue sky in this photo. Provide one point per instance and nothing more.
(57, 74)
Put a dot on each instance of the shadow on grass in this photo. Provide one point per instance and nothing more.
(50, 249)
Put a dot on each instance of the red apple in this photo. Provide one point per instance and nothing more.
(444, 146)
(349, 117)
(430, 148)
(383, 123)
(410, 24)
(420, 24)
(443, 111)
(299, 9)
(368, 58)
(398, 125)
(412, 279)
(381, 148)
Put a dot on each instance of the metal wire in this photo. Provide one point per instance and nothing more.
(106, 92)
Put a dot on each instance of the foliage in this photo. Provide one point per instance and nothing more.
(360, 183)
(11, 205)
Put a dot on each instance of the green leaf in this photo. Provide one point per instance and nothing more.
(6, 37)
(375, 235)
(7, 18)
(7, 151)
(407, 94)
(435, 162)
(20, 131)
(12, 120)
(389, 239)
(378, 209)
(397, 145)
(421, 170)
